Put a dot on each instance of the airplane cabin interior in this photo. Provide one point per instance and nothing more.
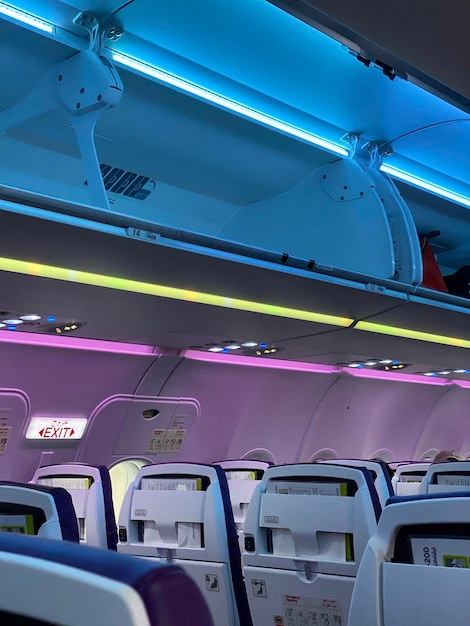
(234, 312)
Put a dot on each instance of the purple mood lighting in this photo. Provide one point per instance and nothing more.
(77, 343)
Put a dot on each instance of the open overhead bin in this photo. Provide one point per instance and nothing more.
(231, 137)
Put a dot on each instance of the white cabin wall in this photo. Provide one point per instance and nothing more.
(447, 424)
(360, 416)
(243, 408)
(228, 409)
(58, 383)
(295, 414)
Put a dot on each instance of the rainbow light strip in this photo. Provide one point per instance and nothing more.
(186, 295)
(163, 291)
(408, 333)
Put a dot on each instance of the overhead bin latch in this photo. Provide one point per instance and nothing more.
(79, 88)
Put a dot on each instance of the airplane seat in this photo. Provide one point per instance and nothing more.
(90, 489)
(243, 476)
(181, 513)
(414, 569)
(446, 477)
(380, 475)
(47, 582)
(37, 510)
(305, 531)
(408, 478)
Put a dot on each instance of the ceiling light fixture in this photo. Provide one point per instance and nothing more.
(226, 103)
(397, 377)
(26, 18)
(318, 368)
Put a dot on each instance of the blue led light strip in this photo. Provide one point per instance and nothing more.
(425, 185)
(227, 103)
(26, 18)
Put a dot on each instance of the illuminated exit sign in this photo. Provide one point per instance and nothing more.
(54, 429)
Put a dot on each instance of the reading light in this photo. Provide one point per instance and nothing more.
(25, 18)
(226, 103)
(424, 184)
(318, 368)
(30, 318)
(13, 322)
(216, 349)
(249, 344)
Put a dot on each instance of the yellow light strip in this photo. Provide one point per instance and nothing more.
(163, 291)
(412, 334)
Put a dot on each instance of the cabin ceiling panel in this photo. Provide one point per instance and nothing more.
(406, 32)
(100, 8)
(337, 347)
(120, 316)
(427, 317)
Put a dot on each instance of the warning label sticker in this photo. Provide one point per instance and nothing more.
(259, 588)
(212, 582)
(179, 422)
(305, 611)
(4, 435)
(165, 440)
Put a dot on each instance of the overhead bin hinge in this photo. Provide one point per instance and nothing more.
(79, 88)
(98, 32)
(377, 153)
(387, 70)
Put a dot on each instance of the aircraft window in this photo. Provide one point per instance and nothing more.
(323, 455)
(121, 475)
(428, 456)
(384, 454)
(260, 454)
